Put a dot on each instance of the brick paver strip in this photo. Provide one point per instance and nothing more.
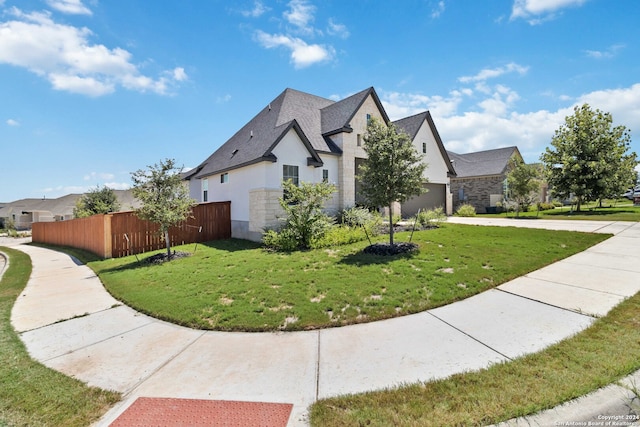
(169, 412)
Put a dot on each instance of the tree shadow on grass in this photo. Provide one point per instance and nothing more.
(361, 258)
(231, 245)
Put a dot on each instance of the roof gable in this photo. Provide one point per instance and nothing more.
(482, 163)
(337, 116)
(255, 141)
(412, 124)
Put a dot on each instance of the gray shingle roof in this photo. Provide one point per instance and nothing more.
(481, 163)
(62, 205)
(412, 124)
(314, 118)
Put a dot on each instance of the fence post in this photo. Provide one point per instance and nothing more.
(108, 246)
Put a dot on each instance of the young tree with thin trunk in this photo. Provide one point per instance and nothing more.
(392, 171)
(164, 196)
(589, 158)
(523, 183)
(97, 201)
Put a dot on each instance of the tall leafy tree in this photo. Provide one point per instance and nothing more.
(589, 158)
(523, 182)
(164, 196)
(97, 201)
(392, 171)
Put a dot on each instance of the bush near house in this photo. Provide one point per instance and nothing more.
(466, 210)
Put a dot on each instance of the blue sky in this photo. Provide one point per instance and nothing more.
(92, 90)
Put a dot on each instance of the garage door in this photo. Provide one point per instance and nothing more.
(434, 198)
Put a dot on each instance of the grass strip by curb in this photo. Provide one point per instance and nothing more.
(30, 393)
(600, 355)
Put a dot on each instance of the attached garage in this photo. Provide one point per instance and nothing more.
(435, 197)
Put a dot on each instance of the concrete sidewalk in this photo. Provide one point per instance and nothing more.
(70, 323)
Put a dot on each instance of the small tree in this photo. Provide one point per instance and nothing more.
(392, 171)
(303, 205)
(523, 182)
(97, 201)
(589, 158)
(164, 196)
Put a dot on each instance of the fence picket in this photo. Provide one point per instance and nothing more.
(209, 221)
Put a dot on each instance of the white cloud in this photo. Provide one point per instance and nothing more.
(179, 74)
(495, 124)
(13, 122)
(223, 99)
(73, 7)
(490, 73)
(258, 10)
(622, 103)
(300, 15)
(399, 105)
(98, 176)
(117, 185)
(302, 54)
(335, 29)
(438, 10)
(539, 11)
(64, 55)
(610, 52)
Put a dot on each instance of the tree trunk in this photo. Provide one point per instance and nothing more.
(168, 242)
(391, 224)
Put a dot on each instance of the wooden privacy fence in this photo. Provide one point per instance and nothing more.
(123, 233)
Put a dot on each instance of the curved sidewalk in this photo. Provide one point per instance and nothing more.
(70, 323)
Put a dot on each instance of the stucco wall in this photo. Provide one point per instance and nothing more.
(437, 169)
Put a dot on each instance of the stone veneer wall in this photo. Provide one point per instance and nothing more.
(264, 208)
(476, 191)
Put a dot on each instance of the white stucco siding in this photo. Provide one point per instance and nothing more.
(236, 189)
(291, 151)
(436, 171)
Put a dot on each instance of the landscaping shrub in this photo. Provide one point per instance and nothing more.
(466, 210)
(340, 235)
(430, 217)
(354, 216)
(305, 220)
(361, 217)
(283, 240)
(545, 206)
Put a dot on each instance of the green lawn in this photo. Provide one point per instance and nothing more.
(236, 285)
(30, 393)
(613, 211)
(600, 355)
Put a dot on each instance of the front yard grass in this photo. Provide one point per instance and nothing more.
(600, 355)
(30, 393)
(236, 285)
(623, 211)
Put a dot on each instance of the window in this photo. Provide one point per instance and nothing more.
(424, 147)
(368, 118)
(205, 190)
(325, 175)
(359, 140)
(224, 178)
(290, 173)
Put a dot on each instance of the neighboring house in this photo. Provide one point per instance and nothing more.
(308, 138)
(25, 212)
(481, 177)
